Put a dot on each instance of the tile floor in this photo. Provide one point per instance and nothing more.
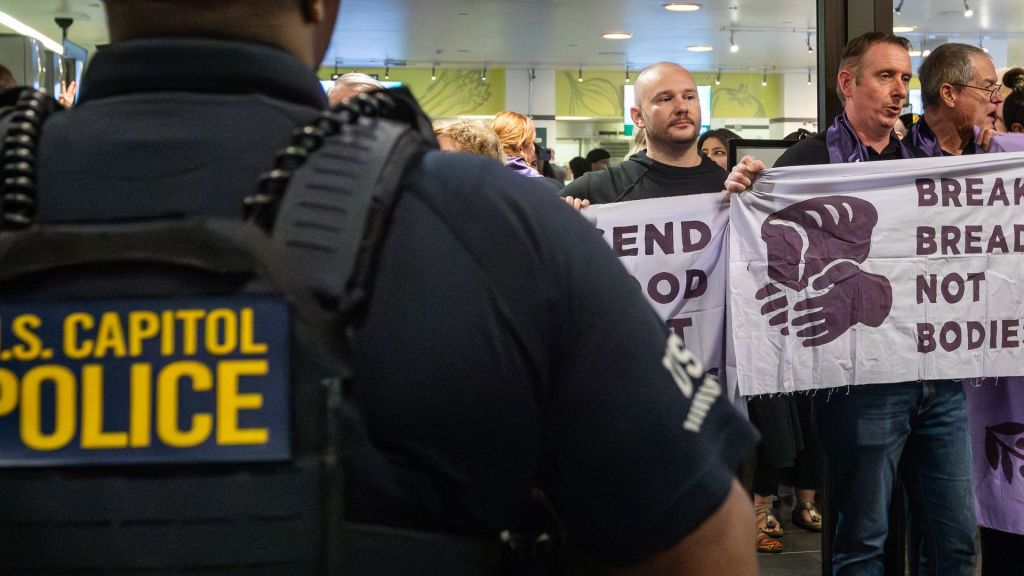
(802, 556)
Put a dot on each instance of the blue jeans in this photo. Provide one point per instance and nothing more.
(866, 432)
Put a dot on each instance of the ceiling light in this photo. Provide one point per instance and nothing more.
(809, 49)
(387, 73)
(898, 8)
(26, 30)
(925, 53)
(433, 72)
(733, 47)
(627, 74)
(981, 44)
(903, 29)
(914, 53)
(681, 7)
(700, 48)
(483, 75)
(967, 10)
(809, 77)
(764, 79)
(580, 77)
(617, 36)
(718, 79)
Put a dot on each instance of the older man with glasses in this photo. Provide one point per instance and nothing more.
(961, 96)
(960, 91)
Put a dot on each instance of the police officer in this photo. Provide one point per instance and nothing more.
(496, 373)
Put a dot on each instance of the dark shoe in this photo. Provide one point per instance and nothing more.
(798, 516)
(770, 525)
(766, 543)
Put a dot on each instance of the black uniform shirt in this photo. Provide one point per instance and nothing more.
(492, 359)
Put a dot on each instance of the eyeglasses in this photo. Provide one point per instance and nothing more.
(991, 91)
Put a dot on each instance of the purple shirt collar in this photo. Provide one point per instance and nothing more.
(845, 146)
(521, 167)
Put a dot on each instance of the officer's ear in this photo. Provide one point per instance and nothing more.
(313, 10)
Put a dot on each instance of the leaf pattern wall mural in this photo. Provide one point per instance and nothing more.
(739, 97)
(593, 97)
(455, 92)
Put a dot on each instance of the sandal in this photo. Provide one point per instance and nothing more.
(771, 526)
(766, 543)
(812, 511)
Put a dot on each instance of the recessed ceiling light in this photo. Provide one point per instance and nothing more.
(681, 7)
(903, 29)
(617, 36)
(915, 53)
(700, 48)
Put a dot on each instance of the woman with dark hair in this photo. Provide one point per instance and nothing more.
(715, 145)
(1013, 81)
(1013, 111)
(579, 167)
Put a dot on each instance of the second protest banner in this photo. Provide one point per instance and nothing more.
(879, 272)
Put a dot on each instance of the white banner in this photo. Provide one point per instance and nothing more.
(674, 248)
(879, 272)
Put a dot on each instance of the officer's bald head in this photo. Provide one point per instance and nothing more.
(302, 27)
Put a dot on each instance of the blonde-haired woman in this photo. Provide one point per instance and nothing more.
(471, 136)
(517, 133)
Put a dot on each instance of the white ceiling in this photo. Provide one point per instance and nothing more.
(567, 33)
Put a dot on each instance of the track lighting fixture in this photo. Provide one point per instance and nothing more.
(733, 47)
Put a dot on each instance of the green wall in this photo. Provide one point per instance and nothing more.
(454, 93)
(740, 95)
(599, 95)
(461, 92)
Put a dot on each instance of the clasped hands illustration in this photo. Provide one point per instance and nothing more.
(817, 285)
